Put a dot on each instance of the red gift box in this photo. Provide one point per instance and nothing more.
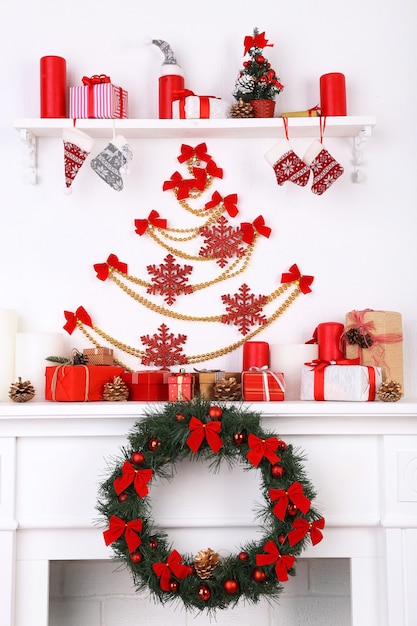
(147, 385)
(264, 385)
(78, 383)
(181, 386)
(101, 100)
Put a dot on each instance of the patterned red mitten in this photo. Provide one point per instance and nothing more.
(287, 165)
(326, 170)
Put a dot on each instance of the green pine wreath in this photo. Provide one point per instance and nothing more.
(214, 434)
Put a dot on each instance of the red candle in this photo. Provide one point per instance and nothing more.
(53, 86)
(333, 94)
(169, 85)
(330, 341)
(255, 354)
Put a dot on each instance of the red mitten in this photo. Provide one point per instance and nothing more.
(326, 170)
(287, 165)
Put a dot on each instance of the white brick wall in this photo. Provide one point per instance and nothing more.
(99, 593)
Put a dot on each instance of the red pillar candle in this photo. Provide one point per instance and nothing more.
(53, 86)
(331, 346)
(169, 86)
(255, 354)
(333, 94)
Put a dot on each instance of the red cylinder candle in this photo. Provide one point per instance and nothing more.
(53, 86)
(169, 85)
(331, 345)
(255, 354)
(333, 94)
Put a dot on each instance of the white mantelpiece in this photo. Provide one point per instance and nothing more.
(361, 457)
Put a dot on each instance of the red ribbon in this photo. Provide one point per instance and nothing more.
(301, 527)
(229, 203)
(294, 275)
(117, 527)
(260, 448)
(97, 79)
(199, 152)
(283, 562)
(154, 219)
(200, 431)
(294, 494)
(258, 225)
(139, 478)
(258, 41)
(103, 269)
(80, 316)
(171, 566)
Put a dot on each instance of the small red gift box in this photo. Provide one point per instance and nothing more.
(97, 98)
(147, 385)
(263, 385)
(181, 386)
(78, 383)
(99, 356)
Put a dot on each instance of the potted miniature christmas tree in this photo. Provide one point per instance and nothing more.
(257, 83)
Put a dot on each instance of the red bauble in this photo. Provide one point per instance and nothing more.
(277, 471)
(153, 544)
(153, 444)
(260, 59)
(122, 497)
(258, 576)
(282, 537)
(262, 79)
(137, 458)
(136, 557)
(231, 586)
(239, 438)
(179, 417)
(281, 445)
(173, 585)
(215, 413)
(204, 593)
(243, 556)
(292, 509)
(270, 74)
(247, 64)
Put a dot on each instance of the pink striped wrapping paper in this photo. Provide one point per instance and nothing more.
(103, 101)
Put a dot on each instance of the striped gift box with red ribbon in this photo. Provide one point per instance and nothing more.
(100, 101)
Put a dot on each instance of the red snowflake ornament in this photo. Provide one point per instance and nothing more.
(163, 349)
(222, 241)
(169, 279)
(244, 309)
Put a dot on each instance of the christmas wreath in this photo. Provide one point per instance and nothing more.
(205, 432)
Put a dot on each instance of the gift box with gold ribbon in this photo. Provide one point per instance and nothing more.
(182, 386)
(78, 383)
(263, 384)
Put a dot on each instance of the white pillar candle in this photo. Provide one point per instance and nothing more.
(8, 329)
(289, 359)
(32, 349)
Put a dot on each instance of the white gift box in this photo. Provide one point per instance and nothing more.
(349, 383)
(200, 107)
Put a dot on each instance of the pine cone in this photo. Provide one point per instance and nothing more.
(227, 389)
(78, 358)
(389, 391)
(205, 562)
(241, 109)
(116, 391)
(21, 392)
(355, 336)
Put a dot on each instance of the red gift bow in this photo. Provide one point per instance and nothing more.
(183, 186)
(139, 478)
(103, 269)
(301, 527)
(154, 219)
(171, 566)
(294, 494)
(283, 562)
(117, 527)
(213, 170)
(204, 101)
(258, 41)
(199, 152)
(97, 79)
(229, 203)
(294, 275)
(249, 230)
(200, 430)
(80, 316)
(260, 448)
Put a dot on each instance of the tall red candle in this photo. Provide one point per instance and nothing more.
(169, 86)
(53, 86)
(333, 94)
(255, 354)
(330, 341)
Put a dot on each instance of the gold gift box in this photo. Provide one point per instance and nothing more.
(208, 380)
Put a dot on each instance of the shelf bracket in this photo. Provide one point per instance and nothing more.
(28, 140)
(361, 138)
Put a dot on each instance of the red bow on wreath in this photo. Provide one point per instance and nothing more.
(79, 317)
(117, 527)
(260, 448)
(199, 152)
(229, 203)
(294, 275)
(200, 431)
(171, 566)
(301, 527)
(154, 219)
(283, 562)
(249, 230)
(103, 269)
(258, 41)
(294, 494)
(139, 478)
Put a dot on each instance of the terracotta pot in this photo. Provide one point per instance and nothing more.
(263, 108)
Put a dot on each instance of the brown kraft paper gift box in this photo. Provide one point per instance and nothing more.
(99, 356)
(208, 380)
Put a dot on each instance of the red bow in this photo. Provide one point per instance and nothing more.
(200, 153)
(229, 203)
(153, 219)
(200, 179)
(97, 79)
(139, 478)
(177, 182)
(174, 566)
(260, 448)
(294, 276)
(249, 230)
(117, 527)
(103, 269)
(258, 41)
(295, 494)
(79, 317)
(320, 364)
(301, 527)
(283, 562)
(199, 431)
(213, 170)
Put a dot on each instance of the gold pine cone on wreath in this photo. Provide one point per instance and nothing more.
(227, 389)
(241, 109)
(116, 391)
(389, 391)
(21, 391)
(205, 562)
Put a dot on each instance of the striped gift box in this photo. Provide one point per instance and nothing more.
(102, 101)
